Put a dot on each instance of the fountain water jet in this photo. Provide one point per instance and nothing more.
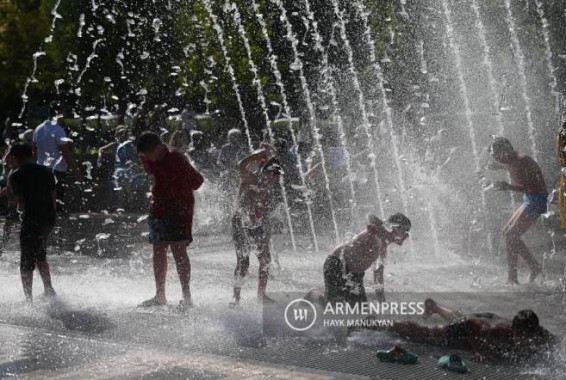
(454, 47)
(286, 107)
(311, 120)
(233, 9)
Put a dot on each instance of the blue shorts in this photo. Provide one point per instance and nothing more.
(535, 204)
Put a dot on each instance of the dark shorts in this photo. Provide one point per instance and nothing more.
(176, 226)
(33, 245)
(460, 331)
(342, 286)
(246, 239)
(535, 204)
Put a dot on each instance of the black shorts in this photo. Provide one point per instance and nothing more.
(33, 245)
(246, 239)
(164, 230)
(342, 286)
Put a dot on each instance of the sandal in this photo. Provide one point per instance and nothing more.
(452, 363)
(397, 355)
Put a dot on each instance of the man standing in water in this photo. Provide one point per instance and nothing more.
(259, 173)
(526, 177)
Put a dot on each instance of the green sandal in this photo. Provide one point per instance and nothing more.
(397, 355)
(453, 363)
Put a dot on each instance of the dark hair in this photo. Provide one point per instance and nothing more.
(21, 151)
(526, 320)
(200, 140)
(147, 141)
(55, 107)
(501, 146)
(401, 220)
(272, 166)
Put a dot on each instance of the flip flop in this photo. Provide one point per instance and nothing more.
(452, 363)
(397, 355)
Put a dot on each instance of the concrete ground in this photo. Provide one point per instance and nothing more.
(94, 329)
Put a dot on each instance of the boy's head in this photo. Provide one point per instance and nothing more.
(400, 227)
(148, 145)
(501, 149)
(19, 153)
(272, 170)
(525, 323)
(234, 136)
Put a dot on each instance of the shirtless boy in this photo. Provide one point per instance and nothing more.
(526, 177)
(344, 269)
(259, 173)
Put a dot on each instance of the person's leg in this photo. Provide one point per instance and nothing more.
(183, 264)
(264, 258)
(41, 260)
(239, 237)
(160, 269)
(27, 260)
(378, 281)
(519, 223)
(61, 189)
(333, 279)
(431, 307)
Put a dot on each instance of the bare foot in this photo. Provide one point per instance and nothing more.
(512, 281)
(234, 303)
(152, 302)
(430, 307)
(534, 273)
(49, 292)
(265, 299)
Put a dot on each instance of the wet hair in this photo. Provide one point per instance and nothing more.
(501, 146)
(120, 129)
(200, 140)
(55, 108)
(526, 320)
(21, 151)
(400, 220)
(147, 141)
(234, 133)
(272, 166)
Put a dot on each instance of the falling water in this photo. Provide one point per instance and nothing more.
(41, 52)
(464, 93)
(548, 54)
(430, 209)
(520, 61)
(286, 108)
(298, 64)
(333, 95)
(492, 83)
(229, 68)
(489, 66)
(385, 106)
(362, 103)
(233, 9)
(89, 59)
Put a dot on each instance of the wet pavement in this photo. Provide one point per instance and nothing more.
(94, 329)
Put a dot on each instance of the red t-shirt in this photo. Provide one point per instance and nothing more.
(175, 179)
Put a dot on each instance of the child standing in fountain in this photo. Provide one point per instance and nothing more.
(259, 173)
(527, 178)
(33, 186)
(171, 213)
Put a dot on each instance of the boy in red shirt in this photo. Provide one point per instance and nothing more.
(171, 213)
